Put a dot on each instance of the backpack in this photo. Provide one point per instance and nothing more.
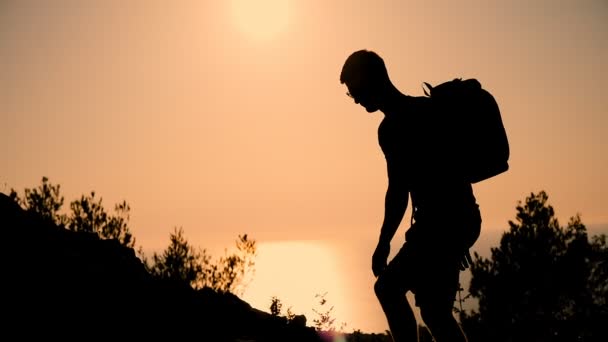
(472, 122)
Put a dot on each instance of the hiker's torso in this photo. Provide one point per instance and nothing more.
(412, 138)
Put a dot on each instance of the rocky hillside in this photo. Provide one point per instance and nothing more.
(66, 285)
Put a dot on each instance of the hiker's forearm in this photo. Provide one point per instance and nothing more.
(395, 204)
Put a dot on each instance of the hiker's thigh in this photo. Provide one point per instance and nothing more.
(400, 274)
(438, 285)
(437, 310)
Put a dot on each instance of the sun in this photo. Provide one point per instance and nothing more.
(261, 19)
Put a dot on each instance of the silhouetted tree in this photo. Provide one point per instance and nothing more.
(275, 306)
(324, 320)
(87, 215)
(233, 271)
(45, 201)
(543, 283)
(182, 262)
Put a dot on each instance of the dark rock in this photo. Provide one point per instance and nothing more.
(67, 285)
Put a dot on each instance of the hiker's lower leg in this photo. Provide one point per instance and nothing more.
(399, 314)
(442, 324)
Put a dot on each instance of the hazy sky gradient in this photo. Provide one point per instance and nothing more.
(227, 122)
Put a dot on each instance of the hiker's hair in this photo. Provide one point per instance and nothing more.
(364, 66)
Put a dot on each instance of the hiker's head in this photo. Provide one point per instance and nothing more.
(364, 74)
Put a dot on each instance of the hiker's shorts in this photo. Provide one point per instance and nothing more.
(431, 274)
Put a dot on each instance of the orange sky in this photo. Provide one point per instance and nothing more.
(225, 119)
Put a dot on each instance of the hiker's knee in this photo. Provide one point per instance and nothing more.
(384, 288)
(436, 315)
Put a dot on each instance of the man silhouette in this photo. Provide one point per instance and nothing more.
(420, 167)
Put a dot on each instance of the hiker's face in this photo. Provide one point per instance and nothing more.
(365, 96)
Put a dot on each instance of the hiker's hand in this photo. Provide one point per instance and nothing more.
(466, 260)
(380, 257)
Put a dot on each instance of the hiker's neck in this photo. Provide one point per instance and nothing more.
(394, 101)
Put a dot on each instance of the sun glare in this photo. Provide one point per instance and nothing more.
(261, 19)
(295, 272)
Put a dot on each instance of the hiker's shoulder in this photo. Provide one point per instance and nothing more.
(418, 104)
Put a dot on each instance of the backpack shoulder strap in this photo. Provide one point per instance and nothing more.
(429, 87)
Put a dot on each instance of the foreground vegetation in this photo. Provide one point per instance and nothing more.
(544, 282)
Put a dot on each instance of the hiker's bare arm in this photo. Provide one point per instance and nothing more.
(395, 202)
